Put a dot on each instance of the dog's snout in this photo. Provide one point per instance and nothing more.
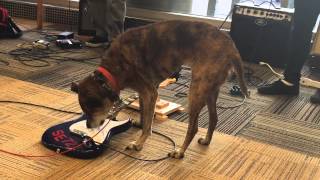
(101, 123)
(88, 124)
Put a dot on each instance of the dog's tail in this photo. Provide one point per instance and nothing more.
(238, 67)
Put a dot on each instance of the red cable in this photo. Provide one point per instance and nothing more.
(54, 154)
(48, 155)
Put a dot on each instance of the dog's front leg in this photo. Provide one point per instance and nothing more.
(148, 101)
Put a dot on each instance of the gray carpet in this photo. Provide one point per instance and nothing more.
(285, 132)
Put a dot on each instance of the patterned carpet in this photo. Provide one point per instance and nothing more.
(228, 157)
(251, 120)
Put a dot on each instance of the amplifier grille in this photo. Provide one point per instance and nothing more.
(263, 13)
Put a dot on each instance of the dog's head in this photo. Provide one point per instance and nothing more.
(96, 98)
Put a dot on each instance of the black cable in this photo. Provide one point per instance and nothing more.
(37, 105)
(71, 112)
(230, 12)
(233, 106)
(225, 20)
(43, 63)
(3, 62)
(1, 52)
(147, 160)
(181, 94)
(26, 56)
(270, 4)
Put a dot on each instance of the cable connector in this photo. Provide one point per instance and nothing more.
(235, 91)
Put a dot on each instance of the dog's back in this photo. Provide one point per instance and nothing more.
(159, 49)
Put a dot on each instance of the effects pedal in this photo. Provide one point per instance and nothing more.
(66, 35)
(41, 44)
(68, 43)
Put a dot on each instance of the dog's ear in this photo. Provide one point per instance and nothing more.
(74, 87)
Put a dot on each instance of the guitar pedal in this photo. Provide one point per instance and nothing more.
(68, 43)
(41, 44)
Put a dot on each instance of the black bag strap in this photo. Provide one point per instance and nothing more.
(15, 30)
(8, 28)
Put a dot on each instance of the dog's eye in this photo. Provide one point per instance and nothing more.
(93, 102)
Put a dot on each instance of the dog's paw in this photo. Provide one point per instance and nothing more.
(176, 154)
(134, 146)
(203, 141)
(137, 122)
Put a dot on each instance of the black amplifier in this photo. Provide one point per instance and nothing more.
(262, 34)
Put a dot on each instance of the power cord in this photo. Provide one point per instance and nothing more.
(147, 160)
(230, 12)
(270, 4)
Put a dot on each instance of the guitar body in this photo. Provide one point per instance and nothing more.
(99, 135)
(66, 136)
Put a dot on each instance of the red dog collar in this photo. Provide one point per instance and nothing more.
(112, 81)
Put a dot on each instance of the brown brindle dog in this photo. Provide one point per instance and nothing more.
(143, 57)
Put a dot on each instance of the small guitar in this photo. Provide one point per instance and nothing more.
(73, 139)
(103, 134)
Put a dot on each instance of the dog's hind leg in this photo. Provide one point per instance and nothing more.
(197, 94)
(213, 117)
(148, 99)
